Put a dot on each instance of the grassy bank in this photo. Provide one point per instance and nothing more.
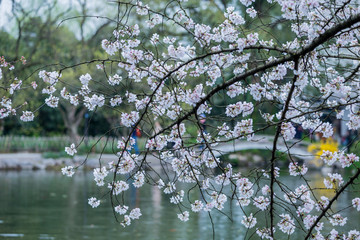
(54, 146)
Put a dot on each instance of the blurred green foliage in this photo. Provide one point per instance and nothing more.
(45, 43)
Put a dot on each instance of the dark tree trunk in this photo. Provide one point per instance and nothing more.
(72, 117)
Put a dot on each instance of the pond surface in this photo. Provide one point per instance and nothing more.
(47, 205)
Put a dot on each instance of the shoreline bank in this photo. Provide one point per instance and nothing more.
(35, 161)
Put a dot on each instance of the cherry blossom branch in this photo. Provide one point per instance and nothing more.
(318, 41)
(277, 134)
(338, 193)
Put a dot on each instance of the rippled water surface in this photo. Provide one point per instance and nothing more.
(47, 205)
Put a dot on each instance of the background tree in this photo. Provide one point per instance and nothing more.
(47, 40)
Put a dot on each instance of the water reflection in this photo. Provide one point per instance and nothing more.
(46, 205)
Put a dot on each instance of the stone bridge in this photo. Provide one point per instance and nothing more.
(296, 148)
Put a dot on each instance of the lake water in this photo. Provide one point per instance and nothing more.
(47, 205)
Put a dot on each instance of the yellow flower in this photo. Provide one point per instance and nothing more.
(318, 148)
